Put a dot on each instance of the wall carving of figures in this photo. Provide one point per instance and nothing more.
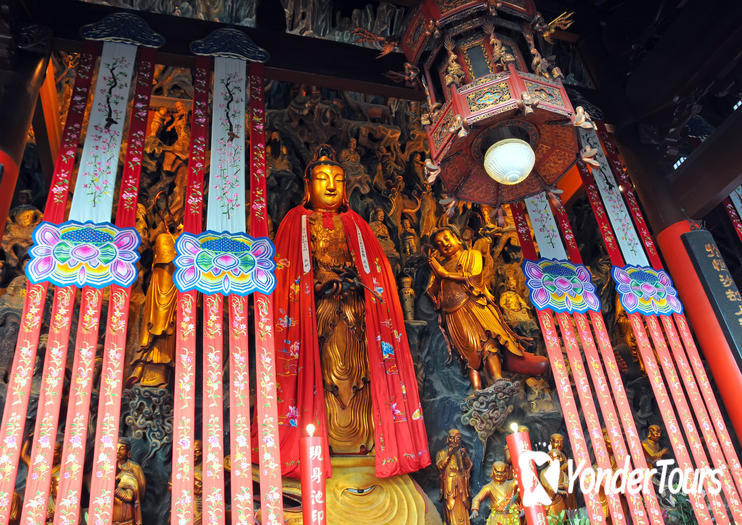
(382, 147)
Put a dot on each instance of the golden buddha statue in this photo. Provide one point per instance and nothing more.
(455, 467)
(340, 321)
(515, 308)
(502, 494)
(473, 321)
(153, 361)
(124, 462)
(382, 234)
(337, 278)
(562, 499)
(651, 445)
(556, 442)
(127, 508)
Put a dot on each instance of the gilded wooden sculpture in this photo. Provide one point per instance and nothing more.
(332, 265)
(454, 467)
(153, 363)
(502, 495)
(472, 319)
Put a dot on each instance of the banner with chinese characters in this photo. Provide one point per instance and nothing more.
(720, 288)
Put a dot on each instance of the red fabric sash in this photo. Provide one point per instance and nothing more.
(401, 444)
(271, 503)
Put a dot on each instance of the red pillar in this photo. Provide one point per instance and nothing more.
(716, 350)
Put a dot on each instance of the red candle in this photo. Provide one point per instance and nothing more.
(527, 477)
(313, 497)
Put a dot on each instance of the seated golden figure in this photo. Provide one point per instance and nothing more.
(473, 321)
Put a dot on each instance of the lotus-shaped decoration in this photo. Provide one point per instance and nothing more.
(224, 263)
(83, 254)
(560, 286)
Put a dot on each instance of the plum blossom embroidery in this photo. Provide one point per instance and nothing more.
(646, 291)
(89, 254)
(224, 263)
(560, 286)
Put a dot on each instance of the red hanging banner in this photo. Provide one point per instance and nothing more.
(655, 378)
(19, 387)
(559, 369)
(601, 386)
(591, 415)
(708, 395)
(39, 476)
(109, 405)
(704, 422)
(687, 339)
(239, 412)
(695, 442)
(266, 404)
(182, 493)
(674, 430)
(213, 415)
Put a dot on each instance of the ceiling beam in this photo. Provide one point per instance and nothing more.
(297, 59)
(712, 171)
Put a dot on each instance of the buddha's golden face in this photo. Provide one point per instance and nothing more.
(655, 432)
(447, 243)
(326, 187)
(557, 441)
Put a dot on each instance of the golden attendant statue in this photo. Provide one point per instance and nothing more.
(501, 493)
(454, 466)
(472, 319)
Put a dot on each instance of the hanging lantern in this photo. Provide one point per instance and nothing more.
(509, 161)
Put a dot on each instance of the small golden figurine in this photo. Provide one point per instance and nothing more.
(502, 494)
(651, 445)
(455, 471)
(130, 487)
(408, 238)
(407, 296)
(515, 308)
(382, 234)
(472, 319)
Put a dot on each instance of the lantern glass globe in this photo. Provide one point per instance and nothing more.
(509, 161)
